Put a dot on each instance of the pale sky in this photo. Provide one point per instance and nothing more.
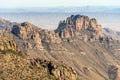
(54, 3)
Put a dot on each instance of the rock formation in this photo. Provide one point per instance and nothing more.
(49, 36)
(7, 42)
(79, 24)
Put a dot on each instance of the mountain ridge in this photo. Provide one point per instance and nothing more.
(78, 41)
(112, 33)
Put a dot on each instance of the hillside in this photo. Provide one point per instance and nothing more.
(79, 42)
(14, 67)
(112, 33)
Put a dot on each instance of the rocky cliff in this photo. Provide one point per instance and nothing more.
(79, 25)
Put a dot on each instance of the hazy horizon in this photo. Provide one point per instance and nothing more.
(54, 3)
(51, 20)
(48, 13)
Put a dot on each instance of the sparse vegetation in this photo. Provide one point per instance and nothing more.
(9, 51)
(19, 68)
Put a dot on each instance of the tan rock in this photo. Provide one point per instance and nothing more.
(79, 24)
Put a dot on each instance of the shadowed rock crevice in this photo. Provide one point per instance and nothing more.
(113, 72)
(50, 68)
(16, 30)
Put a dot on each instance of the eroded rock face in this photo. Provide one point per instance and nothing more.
(49, 36)
(27, 32)
(7, 42)
(79, 24)
(24, 30)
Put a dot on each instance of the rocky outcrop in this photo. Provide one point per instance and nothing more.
(28, 31)
(49, 36)
(7, 42)
(29, 34)
(14, 67)
(79, 24)
(34, 36)
(24, 30)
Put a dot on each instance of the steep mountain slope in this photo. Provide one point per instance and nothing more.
(16, 66)
(78, 42)
(97, 52)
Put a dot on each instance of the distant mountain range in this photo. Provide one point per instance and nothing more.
(112, 33)
(66, 9)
